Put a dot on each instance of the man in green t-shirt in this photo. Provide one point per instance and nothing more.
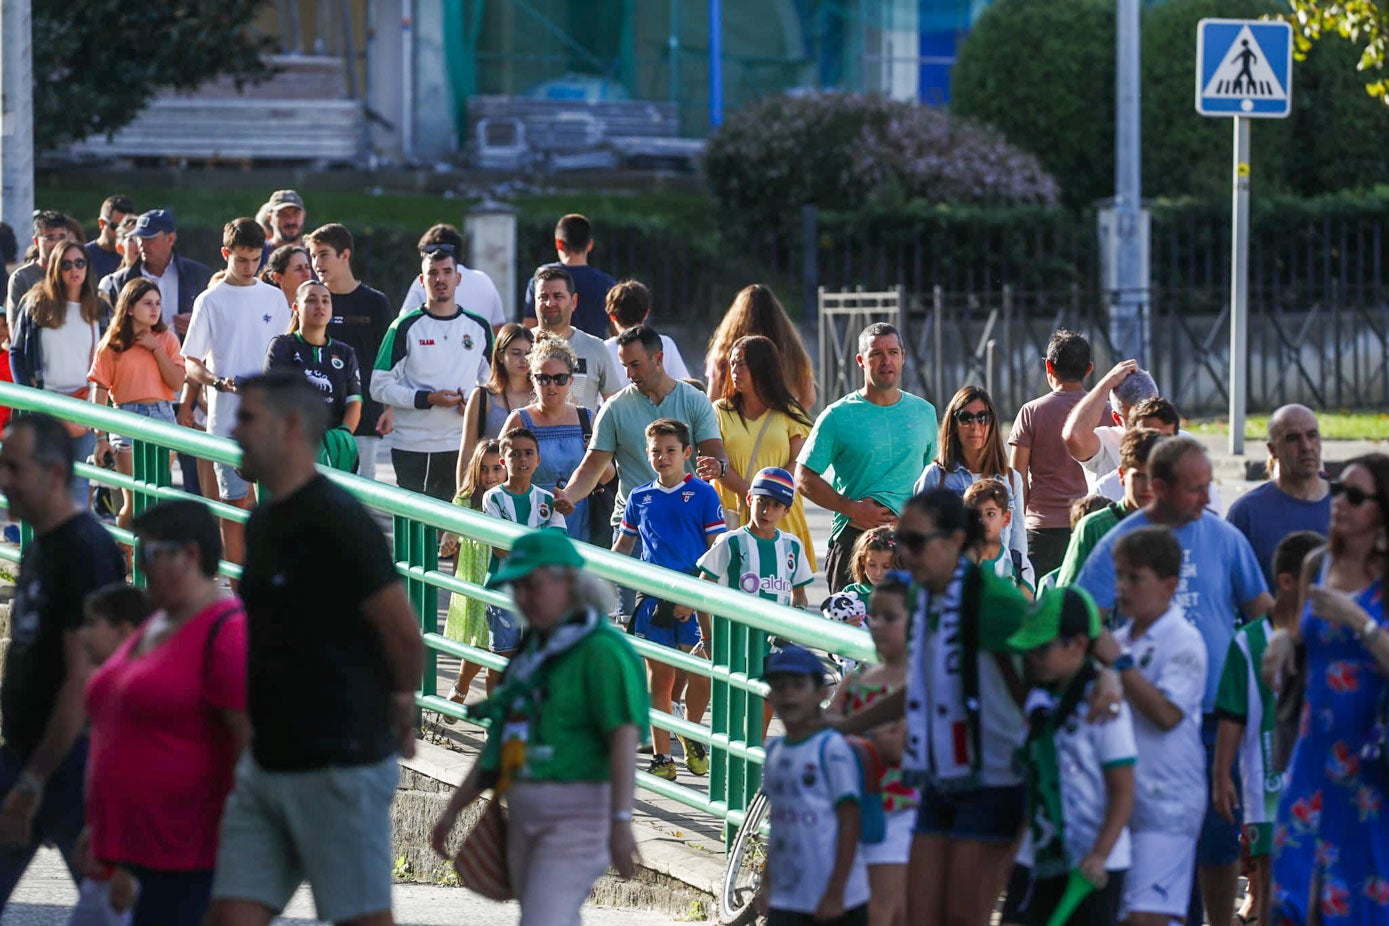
(866, 450)
(1134, 448)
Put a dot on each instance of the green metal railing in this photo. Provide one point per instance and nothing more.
(740, 622)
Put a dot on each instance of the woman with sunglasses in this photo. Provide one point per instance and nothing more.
(60, 322)
(1332, 843)
(508, 388)
(561, 428)
(971, 448)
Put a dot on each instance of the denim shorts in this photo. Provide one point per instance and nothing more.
(503, 630)
(671, 632)
(158, 411)
(230, 486)
(982, 814)
(329, 826)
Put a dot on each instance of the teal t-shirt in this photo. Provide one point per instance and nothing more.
(871, 451)
(620, 429)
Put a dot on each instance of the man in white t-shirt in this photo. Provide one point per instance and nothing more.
(476, 293)
(596, 374)
(230, 331)
(1093, 443)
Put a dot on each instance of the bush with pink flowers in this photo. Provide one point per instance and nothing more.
(843, 151)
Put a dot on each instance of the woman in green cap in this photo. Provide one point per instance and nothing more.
(566, 720)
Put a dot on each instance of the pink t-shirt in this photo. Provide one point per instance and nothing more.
(162, 756)
(1054, 479)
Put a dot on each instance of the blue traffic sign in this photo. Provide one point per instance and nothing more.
(1244, 67)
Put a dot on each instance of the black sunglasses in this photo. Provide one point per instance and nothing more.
(964, 417)
(429, 250)
(917, 540)
(559, 379)
(77, 264)
(1355, 496)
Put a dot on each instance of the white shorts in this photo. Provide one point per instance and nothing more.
(1159, 880)
(896, 845)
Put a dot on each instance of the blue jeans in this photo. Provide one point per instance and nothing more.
(59, 818)
(158, 411)
(82, 448)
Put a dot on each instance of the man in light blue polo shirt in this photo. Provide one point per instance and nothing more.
(619, 430)
(866, 450)
(1220, 581)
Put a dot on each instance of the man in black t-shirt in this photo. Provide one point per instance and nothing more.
(334, 657)
(361, 316)
(43, 761)
(573, 242)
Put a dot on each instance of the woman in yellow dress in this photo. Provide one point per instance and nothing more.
(762, 425)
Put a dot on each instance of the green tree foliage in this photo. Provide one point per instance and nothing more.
(98, 62)
(1042, 72)
(1061, 103)
(1362, 23)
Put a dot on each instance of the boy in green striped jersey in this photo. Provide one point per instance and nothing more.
(760, 559)
(1245, 708)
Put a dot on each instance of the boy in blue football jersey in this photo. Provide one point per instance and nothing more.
(677, 517)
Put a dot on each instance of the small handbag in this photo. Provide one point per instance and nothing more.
(481, 859)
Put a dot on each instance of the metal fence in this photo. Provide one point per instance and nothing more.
(1328, 352)
(741, 624)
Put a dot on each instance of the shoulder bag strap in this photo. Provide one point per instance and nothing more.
(233, 608)
(757, 445)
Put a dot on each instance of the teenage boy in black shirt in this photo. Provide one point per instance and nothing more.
(44, 758)
(329, 631)
(361, 316)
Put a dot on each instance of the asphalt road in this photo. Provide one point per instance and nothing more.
(46, 894)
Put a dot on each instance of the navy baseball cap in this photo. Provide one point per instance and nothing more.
(775, 483)
(794, 660)
(155, 222)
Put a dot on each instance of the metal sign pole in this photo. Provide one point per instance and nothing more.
(1239, 286)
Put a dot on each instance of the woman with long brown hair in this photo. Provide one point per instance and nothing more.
(756, 310)
(1332, 843)
(971, 448)
(59, 324)
(507, 389)
(138, 368)
(762, 425)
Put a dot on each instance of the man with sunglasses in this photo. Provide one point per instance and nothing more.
(476, 291)
(555, 300)
(50, 231)
(430, 360)
(1297, 496)
(43, 762)
(876, 440)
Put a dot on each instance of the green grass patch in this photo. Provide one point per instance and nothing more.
(214, 206)
(1341, 425)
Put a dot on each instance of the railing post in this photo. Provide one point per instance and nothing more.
(417, 545)
(722, 769)
(150, 467)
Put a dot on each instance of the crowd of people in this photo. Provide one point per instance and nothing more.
(1099, 698)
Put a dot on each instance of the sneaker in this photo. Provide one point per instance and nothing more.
(696, 756)
(663, 768)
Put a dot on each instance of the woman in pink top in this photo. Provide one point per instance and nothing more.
(168, 722)
(137, 368)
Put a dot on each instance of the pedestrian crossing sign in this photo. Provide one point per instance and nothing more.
(1244, 67)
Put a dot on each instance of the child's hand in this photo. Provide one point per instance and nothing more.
(448, 545)
(831, 905)
(1105, 698)
(1224, 797)
(147, 340)
(1092, 867)
(121, 895)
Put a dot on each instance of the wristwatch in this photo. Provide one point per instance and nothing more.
(1369, 630)
(1123, 663)
(723, 468)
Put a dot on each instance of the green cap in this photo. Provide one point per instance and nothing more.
(545, 547)
(1058, 612)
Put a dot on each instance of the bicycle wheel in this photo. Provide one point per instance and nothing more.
(747, 860)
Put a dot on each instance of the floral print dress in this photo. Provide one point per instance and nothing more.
(1332, 834)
